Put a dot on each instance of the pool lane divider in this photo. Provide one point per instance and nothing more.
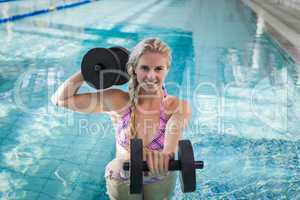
(5, 1)
(44, 11)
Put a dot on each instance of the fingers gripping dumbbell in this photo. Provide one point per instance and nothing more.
(185, 164)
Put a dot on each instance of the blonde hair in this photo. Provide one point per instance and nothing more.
(154, 45)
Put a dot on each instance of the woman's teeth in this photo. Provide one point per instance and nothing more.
(150, 83)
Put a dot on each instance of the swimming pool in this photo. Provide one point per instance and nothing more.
(241, 85)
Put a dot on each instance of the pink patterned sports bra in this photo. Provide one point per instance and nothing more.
(157, 143)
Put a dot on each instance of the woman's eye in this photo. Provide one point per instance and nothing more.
(145, 68)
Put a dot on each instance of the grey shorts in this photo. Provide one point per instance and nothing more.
(161, 190)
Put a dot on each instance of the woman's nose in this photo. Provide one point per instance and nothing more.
(151, 75)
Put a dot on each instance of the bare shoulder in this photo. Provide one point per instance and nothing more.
(115, 92)
(174, 105)
(118, 99)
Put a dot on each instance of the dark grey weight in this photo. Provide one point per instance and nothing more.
(136, 173)
(187, 166)
(123, 55)
(185, 163)
(100, 67)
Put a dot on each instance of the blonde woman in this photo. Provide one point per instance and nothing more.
(146, 111)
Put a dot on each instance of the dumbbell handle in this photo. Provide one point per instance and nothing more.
(173, 165)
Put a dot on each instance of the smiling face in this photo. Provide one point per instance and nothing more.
(151, 71)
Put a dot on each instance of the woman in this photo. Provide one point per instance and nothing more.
(145, 111)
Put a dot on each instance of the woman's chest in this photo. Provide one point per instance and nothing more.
(147, 126)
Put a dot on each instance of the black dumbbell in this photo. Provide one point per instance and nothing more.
(185, 163)
(102, 68)
(123, 55)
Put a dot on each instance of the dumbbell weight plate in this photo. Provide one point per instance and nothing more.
(99, 68)
(188, 170)
(136, 166)
(123, 55)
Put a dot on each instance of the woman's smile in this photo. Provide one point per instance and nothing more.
(151, 83)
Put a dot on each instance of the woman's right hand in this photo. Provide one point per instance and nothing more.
(157, 161)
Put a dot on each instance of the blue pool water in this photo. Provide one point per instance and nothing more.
(243, 89)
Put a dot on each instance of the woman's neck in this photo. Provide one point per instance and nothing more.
(150, 100)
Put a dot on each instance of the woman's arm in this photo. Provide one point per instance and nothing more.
(68, 89)
(158, 162)
(101, 101)
(175, 126)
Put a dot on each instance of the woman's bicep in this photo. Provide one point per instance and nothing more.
(85, 103)
(101, 101)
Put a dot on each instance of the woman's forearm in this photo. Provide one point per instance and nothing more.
(69, 88)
